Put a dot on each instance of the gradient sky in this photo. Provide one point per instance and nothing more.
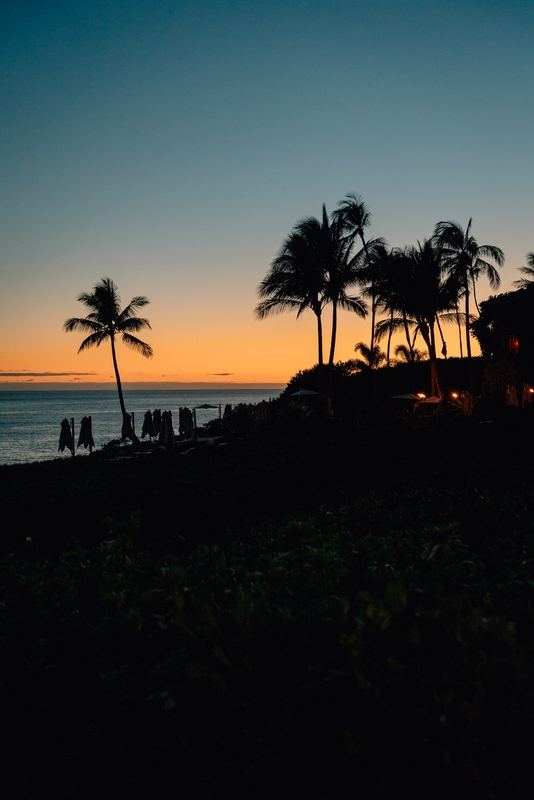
(172, 146)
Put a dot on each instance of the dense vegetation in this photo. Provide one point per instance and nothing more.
(313, 614)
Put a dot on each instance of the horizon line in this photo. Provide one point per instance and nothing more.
(139, 385)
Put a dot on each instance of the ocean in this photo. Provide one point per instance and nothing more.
(30, 421)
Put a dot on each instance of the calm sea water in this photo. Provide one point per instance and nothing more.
(30, 422)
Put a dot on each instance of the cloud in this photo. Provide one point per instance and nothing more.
(26, 374)
(220, 373)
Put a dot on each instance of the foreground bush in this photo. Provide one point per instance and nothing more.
(360, 652)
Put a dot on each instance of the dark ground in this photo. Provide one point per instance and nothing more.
(351, 509)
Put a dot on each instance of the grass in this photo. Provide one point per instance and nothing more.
(323, 615)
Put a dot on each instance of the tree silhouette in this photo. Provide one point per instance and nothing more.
(431, 292)
(295, 280)
(528, 282)
(371, 359)
(354, 215)
(464, 258)
(107, 321)
(314, 267)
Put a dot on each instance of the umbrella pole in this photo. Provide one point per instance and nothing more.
(133, 423)
(73, 440)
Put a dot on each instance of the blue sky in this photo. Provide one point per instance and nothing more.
(173, 145)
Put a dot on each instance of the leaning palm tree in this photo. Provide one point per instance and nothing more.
(467, 260)
(107, 321)
(528, 282)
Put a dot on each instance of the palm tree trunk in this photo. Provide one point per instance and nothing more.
(134, 438)
(334, 333)
(434, 362)
(319, 339)
(117, 376)
(467, 337)
(427, 332)
(459, 332)
(390, 334)
(475, 296)
(443, 342)
(373, 296)
(407, 334)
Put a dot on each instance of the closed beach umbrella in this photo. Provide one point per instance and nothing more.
(148, 426)
(65, 437)
(186, 423)
(166, 435)
(157, 421)
(86, 434)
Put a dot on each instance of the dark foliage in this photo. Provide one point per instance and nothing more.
(327, 611)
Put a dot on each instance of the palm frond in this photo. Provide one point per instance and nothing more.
(132, 324)
(136, 344)
(81, 324)
(94, 340)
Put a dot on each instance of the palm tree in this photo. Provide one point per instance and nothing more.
(406, 356)
(342, 270)
(107, 321)
(528, 282)
(314, 267)
(354, 215)
(371, 359)
(295, 280)
(431, 291)
(392, 281)
(467, 260)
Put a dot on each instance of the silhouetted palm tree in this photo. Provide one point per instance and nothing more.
(107, 321)
(342, 270)
(431, 292)
(406, 356)
(315, 267)
(295, 280)
(371, 359)
(528, 282)
(392, 282)
(467, 260)
(355, 217)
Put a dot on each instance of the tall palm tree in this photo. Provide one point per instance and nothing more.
(342, 270)
(355, 216)
(528, 282)
(314, 267)
(467, 260)
(431, 291)
(392, 280)
(107, 321)
(295, 280)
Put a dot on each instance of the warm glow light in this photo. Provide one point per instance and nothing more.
(421, 395)
(455, 395)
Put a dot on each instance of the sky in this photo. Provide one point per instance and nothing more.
(172, 146)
